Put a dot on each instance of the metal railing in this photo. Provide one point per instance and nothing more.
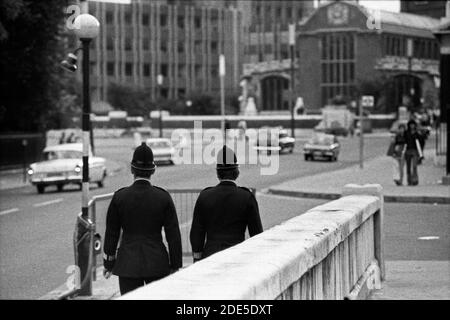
(88, 232)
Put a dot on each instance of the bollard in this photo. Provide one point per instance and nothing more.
(377, 191)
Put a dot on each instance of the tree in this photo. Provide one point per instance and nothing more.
(136, 101)
(32, 44)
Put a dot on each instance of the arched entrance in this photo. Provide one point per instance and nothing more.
(274, 93)
(403, 89)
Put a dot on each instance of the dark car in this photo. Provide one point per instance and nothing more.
(322, 146)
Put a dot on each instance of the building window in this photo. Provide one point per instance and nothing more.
(337, 66)
(214, 72)
(300, 13)
(198, 46)
(289, 12)
(180, 47)
(162, 20)
(214, 46)
(164, 69)
(128, 69)
(146, 70)
(278, 12)
(109, 17)
(180, 22)
(181, 71)
(145, 19)
(146, 44)
(128, 18)
(181, 93)
(198, 22)
(128, 44)
(109, 43)
(110, 68)
(163, 46)
(198, 70)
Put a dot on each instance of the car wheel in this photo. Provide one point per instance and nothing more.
(291, 150)
(307, 157)
(59, 187)
(40, 189)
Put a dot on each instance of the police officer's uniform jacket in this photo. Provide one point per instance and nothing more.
(141, 211)
(221, 216)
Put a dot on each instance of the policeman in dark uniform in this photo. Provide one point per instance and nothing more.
(222, 213)
(141, 211)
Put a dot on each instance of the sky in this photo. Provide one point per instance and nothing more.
(390, 5)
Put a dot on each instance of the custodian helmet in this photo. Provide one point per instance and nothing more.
(226, 159)
(143, 158)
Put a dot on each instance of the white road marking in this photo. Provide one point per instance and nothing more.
(428, 238)
(46, 203)
(8, 211)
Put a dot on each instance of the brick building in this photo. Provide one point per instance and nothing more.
(435, 9)
(343, 47)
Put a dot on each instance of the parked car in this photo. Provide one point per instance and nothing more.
(63, 165)
(163, 150)
(322, 146)
(284, 142)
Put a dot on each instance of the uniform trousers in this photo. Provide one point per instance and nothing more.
(129, 284)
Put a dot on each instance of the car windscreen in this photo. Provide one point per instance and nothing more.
(158, 144)
(322, 141)
(62, 154)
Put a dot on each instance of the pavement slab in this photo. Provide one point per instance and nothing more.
(415, 280)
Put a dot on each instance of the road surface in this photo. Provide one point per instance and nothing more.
(36, 230)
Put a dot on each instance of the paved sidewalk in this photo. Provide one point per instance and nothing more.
(415, 280)
(329, 185)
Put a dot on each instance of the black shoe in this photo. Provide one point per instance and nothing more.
(397, 182)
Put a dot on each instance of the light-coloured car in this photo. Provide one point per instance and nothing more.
(283, 142)
(163, 150)
(63, 165)
(322, 146)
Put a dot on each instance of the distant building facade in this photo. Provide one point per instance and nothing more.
(178, 39)
(435, 9)
(343, 47)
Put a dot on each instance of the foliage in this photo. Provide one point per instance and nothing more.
(32, 44)
(134, 100)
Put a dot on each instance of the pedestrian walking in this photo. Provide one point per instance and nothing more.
(413, 152)
(141, 211)
(224, 212)
(397, 152)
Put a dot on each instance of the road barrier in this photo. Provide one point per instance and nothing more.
(333, 251)
(87, 239)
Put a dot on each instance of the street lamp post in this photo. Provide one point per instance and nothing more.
(292, 87)
(159, 81)
(409, 53)
(86, 28)
(443, 36)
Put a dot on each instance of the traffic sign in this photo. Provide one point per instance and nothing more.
(368, 101)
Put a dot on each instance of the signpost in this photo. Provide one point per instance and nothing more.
(368, 102)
